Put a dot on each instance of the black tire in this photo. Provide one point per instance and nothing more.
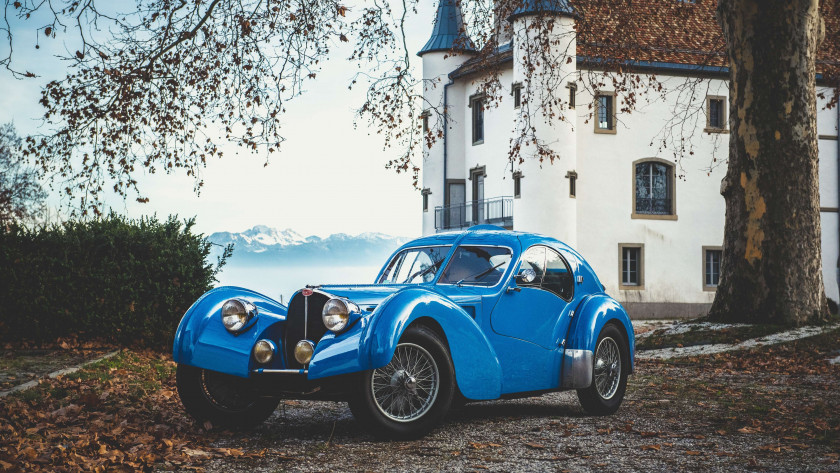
(381, 419)
(224, 400)
(606, 399)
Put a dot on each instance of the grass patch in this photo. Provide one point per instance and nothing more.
(699, 334)
(19, 365)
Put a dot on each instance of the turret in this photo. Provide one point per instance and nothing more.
(555, 213)
(448, 48)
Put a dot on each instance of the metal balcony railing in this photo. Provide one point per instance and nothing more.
(495, 211)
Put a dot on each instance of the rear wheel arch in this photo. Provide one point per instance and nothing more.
(623, 331)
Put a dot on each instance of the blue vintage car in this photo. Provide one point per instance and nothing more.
(455, 317)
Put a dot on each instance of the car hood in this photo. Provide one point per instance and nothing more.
(364, 295)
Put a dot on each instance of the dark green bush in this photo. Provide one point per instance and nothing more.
(127, 281)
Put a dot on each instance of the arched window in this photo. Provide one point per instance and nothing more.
(653, 189)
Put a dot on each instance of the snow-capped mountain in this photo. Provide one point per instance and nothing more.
(264, 245)
(258, 238)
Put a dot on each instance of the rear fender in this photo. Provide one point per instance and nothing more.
(371, 343)
(202, 340)
(594, 313)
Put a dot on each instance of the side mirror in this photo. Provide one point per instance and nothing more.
(526, 276)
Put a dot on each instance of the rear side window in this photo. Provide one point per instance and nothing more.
(478, 265)
(558, 276)
(534, 259)
(553, 272)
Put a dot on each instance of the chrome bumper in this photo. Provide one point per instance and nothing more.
(268, 370)
(577, 369)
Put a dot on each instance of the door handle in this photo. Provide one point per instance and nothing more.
(512, 289)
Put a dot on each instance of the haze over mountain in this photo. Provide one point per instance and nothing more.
(279, 262)
(265, 246)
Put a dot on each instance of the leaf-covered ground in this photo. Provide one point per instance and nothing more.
(769, 409)
(20, 363)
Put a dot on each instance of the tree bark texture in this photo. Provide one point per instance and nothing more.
(772, 266)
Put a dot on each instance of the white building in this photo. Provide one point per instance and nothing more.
(651, 228)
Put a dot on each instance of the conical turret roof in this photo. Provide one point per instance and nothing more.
(449, 32)
(534, 7)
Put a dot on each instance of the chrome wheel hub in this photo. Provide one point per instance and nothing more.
(406, 388)
(607, 368)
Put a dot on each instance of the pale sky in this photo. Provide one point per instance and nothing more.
(328, 177)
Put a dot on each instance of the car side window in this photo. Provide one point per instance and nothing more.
(534, 259)
(558, 275)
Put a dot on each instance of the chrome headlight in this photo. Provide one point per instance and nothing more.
(236, 313)
(336, 314)
(264, 351)
(303, 351)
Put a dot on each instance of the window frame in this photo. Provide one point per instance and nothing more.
(724, 117)
(516, 93)
(476, 104)
(425, 193)
(572, 177)
(517, 184)
(706, 250)
(673, 190)
(572, 94)
(640, 267)
(425, 117)
(611, 113)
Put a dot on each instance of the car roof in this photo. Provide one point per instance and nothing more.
(487, 234)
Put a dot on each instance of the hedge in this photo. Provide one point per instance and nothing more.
(111, 279)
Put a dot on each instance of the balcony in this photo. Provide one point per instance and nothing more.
(495, 211)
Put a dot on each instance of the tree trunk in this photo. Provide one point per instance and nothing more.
(772, 266)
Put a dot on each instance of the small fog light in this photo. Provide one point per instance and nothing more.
(264, 351)
(303, 351)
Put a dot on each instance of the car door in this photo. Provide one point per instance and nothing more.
(536, 311)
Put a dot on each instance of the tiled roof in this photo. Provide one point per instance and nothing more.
(647, 33)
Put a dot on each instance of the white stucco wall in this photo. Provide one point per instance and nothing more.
(436, 69)
(673, 264)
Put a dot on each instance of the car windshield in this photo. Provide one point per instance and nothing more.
(414, 265)
(483, 265)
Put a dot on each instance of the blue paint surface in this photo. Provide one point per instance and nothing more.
(503, 339)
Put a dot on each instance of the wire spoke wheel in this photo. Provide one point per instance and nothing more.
(607, 368)
(406, 388)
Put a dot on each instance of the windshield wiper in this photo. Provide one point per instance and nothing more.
(481, 274)
(423, 272)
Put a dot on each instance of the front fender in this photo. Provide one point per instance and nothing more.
(371, 343)
(595, 312)
(203, 341)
